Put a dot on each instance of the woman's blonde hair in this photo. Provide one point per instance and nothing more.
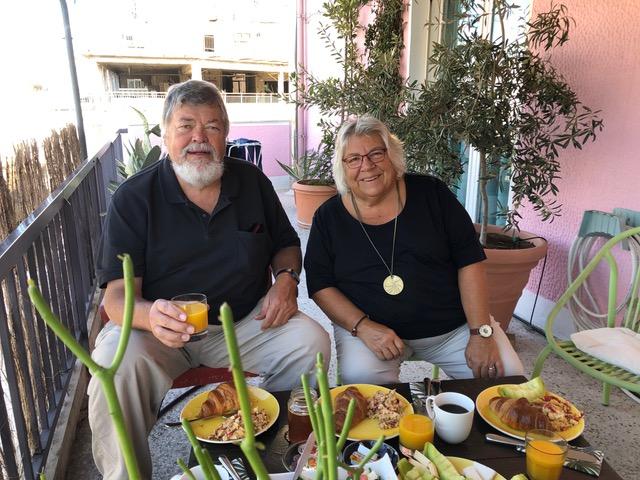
(365, 125)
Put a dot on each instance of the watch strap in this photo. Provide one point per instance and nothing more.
(291, 272)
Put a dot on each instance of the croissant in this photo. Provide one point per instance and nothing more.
(222, 399)
(342, 403)
(519, 413)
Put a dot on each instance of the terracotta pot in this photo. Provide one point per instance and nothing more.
(508, 273)
(308, 198)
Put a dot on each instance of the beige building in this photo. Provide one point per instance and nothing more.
(138, 48)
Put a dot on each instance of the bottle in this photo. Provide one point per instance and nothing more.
(298, 415)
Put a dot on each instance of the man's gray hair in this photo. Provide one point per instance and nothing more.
(365, 125)
(194, 92)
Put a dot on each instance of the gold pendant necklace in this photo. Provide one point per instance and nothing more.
(392, 284)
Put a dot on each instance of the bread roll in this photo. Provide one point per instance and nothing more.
(519, 413)
(223, 399)
(342, 403)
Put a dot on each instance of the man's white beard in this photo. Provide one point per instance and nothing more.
(197, 174)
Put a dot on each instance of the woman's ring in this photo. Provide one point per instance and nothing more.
(492, 367)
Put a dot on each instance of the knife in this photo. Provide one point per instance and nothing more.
(584, 459)
(304, 456)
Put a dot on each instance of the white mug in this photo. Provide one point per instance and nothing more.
(453, 423)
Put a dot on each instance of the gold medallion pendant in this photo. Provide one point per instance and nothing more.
(393, 285)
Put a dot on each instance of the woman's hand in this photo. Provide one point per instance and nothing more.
(483, 357)
(380, 339)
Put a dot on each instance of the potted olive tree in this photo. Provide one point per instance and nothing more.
(503, 97)
(369, 82)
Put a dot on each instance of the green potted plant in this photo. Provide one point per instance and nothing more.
(369, 82)
(141, 153)
(313, 183)
(504, 98)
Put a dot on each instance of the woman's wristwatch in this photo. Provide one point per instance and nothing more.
(485, 331)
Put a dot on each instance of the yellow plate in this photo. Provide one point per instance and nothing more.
(482, 405)
(462, 463)
(203, 429)
(368, 429)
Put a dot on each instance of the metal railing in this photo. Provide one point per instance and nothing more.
(56, 246)
(129, 93)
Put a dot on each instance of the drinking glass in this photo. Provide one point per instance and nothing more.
(415, 431)
(545, 451)
(195, 306)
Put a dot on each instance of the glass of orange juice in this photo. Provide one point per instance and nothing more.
(195, 306)
(415, 431)
(545, 451)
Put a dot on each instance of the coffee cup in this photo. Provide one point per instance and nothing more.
(452, 414)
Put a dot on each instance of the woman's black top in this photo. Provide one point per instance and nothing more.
(435, 237)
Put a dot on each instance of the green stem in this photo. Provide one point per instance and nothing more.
(104, 376)
(372, 452)
(346, 426)
(321, 439)
(248, 444)
(310, 403)
(59, 329)
(200, 453)
(183, 466)
(130, 459)
(327, 417)
(127, 314)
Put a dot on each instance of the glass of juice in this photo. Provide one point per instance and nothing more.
(195, 306)
(415, 431)
(545, 451)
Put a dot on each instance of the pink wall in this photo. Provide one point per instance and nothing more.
(276, 143)
(601, 61)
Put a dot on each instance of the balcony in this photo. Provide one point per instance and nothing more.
(44, 401)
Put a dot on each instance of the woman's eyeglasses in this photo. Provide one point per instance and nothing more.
(375, 156)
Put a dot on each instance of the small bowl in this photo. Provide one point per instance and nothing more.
(384, 448)
(291, 456)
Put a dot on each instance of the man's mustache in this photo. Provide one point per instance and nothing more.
(197, 148)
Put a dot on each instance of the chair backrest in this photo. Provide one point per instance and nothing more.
(631, 311)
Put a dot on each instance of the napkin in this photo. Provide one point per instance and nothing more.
(618, 346)
(484, 472)
(382, 467)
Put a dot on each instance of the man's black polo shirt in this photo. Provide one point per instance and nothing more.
(176, 247)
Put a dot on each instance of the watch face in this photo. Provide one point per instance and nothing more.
(485, 331)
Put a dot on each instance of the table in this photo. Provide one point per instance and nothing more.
(505, 460)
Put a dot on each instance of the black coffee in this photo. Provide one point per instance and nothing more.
(452, 408)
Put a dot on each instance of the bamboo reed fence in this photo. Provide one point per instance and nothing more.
(26, 179)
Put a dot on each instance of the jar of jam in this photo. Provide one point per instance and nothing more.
(298, 415)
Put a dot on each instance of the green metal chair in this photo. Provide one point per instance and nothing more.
(605, 372)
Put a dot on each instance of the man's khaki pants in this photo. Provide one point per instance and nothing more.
(147, 371)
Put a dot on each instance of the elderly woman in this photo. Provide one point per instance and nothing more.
(395, 263)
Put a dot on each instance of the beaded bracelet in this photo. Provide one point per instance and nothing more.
(354, 330)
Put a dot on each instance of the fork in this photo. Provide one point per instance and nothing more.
(226, 463)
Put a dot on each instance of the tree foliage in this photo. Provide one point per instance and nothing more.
(503, 97)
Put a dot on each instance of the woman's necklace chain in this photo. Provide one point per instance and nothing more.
(392, 284)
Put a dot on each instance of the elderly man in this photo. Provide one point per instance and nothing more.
(196, 222)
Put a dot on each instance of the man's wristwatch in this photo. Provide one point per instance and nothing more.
(484, 331)
(291, 272)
